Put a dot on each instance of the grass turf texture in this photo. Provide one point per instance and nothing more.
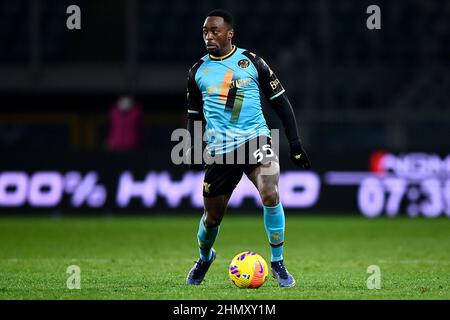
(149, 257)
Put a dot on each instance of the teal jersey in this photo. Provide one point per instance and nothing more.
(227, 91)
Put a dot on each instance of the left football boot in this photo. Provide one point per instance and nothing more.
(279, 271)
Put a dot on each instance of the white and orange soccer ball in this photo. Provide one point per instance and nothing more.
(248, 270)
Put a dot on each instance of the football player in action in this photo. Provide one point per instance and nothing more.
(224, 91)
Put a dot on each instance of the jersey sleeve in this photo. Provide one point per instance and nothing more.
(194, 96)
(268, 81)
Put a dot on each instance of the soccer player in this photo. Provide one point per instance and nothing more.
(224, 91)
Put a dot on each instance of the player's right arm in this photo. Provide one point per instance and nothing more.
(194, 115)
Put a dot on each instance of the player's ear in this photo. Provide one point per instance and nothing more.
(230, 34)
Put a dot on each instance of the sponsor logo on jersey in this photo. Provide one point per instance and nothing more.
(274, 84)
(238, 83)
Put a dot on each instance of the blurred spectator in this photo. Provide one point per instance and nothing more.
(125, 125)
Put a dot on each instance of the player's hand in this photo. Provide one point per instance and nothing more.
(299, 157)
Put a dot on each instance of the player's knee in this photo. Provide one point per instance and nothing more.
(212, 221)
(270, 197)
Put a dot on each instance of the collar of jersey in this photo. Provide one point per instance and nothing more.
(233, 50)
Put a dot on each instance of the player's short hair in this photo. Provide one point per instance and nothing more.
(227, 17)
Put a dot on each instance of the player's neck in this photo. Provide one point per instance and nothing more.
(220, 55)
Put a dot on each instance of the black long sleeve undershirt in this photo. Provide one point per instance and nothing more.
(284, 110)
(190, 127)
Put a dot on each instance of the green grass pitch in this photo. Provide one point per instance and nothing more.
(149, 257)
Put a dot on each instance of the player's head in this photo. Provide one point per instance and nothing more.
(218, 31)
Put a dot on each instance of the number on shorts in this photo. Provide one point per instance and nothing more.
(259, 155)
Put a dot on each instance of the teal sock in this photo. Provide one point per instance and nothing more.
(274, 223)
(206, 237)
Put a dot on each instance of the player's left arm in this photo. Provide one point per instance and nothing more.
(194, 115)
(284, 110)
(276, 95)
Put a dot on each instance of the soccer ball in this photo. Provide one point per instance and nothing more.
(248, 270)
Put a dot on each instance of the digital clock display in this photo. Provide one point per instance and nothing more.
(415, 183)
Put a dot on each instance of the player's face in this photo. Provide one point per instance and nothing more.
(217, 35)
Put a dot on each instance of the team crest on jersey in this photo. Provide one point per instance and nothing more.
(244, 63)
